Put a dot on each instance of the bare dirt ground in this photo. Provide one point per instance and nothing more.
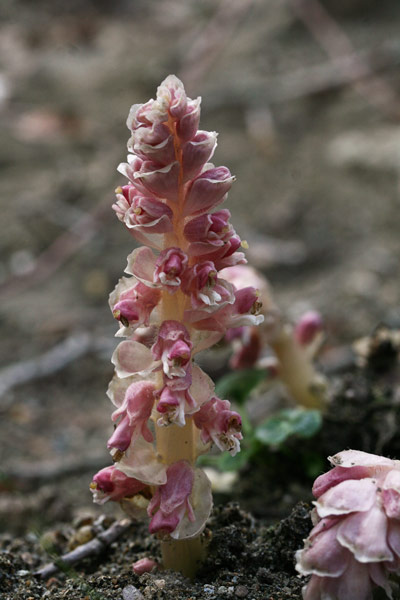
(307, 111)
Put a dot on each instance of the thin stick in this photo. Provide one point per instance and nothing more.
(27, 476)
(92, 548)
(336, 44)
(59, 251)
(48, 363)
(207, 46)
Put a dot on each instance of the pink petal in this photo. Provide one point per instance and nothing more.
(178, 487)
(202, 387)
(307, 327)
(379, 576)
(354, 584)
(208, 190)
(187, 126)
(335, 476)
(312, 591)
(141, 462)
(364, 534)
(352, 458)
(201, 501)
(347, 497)
(323, 555)
(141, 264)
(197, 152)
(161, 182)
(131, 357)
(394, 536)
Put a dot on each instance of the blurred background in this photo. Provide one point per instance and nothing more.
(305, 95)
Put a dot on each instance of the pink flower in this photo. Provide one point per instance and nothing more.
(135, 412)
(153, 143)
(188, 124)
(173, 347)
(175, 402)
(207, 291)
(196, 152)
(132, 302)
(249, 349)
(212, 235)
(142, 214)
(172, 96)
(244, 311)
(169, 268)
(219, 424)
(160, 181)
(111, 484)
(308, 327)
(207, 190)
(171, 501)
(182, 505)
(355, 543)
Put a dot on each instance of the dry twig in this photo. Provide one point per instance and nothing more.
(28, 476)
(48, 363)
(92, 548)
(208, 45)
(59, 251)
(337, 44)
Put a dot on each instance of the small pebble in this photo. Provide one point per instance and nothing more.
(209, 589)
(160, 583)
(81, 520)
(83, 535)
(130, 592)
(23, 573)
(241, 591)
(222, 590)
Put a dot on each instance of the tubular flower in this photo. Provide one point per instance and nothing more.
(294, 347)
(173, 303)
(220, 424)
(112, 484)
(355, 542)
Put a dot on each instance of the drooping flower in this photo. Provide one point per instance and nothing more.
(173, 348)
(112, 484)
(308, 327)
(179, 506)
(134, 412)
(219, 424)
(355, 543)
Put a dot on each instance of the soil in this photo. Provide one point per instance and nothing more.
(245, 560)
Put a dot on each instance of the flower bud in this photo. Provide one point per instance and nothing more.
(111, 484)
(208, 190)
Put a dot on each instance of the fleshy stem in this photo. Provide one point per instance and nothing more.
(175, 443)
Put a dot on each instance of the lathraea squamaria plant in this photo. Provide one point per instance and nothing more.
(172, 304)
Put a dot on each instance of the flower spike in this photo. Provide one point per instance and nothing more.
(173, 304)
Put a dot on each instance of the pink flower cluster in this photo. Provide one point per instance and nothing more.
(355, 542)
(174, 289)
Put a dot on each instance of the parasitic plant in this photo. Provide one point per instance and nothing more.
(294, 347)
(172, 305)
(355, 543)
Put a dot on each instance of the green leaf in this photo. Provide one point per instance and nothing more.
(297, 421)
(238, 385)
(226, 462)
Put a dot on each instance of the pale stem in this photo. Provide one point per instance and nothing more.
(297, 371)
(188, 554)
(178, 443)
